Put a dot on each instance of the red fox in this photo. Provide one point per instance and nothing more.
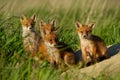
(53, 47)
(30, 37)
(93, 47)
(56, 53)
(32, 41)
(45, 29)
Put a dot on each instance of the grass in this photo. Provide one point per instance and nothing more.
(14, 63)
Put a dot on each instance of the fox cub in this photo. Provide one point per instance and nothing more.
(30, 37)
(45, 29)
(93, 47)
(54, 47)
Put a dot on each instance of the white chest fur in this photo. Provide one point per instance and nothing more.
(86, 44)
(53, 53)
(28, 36)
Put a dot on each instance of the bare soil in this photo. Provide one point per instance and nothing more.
(108, 67)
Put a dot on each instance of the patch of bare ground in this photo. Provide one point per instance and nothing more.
(108, 67)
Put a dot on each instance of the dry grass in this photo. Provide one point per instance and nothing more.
(19, 6)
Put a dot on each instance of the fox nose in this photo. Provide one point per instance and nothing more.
(30, 28)
(85, 36)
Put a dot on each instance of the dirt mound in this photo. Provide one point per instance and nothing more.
(107, 67)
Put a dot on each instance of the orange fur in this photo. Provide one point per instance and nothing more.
(45, 29)
(56, 54)
(43, 51)
(31, 39)
(53, 52)
(93, 48)
(69, 57)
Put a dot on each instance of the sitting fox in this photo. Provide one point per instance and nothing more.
(44, 30)
(32, 41)
(54, 47)
(93, 47)
(31, 38)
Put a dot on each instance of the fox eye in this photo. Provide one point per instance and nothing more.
(32, 24)
(87, 31)
(26, 25)
(81, 32)
(50, 40)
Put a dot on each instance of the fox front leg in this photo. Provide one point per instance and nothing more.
(84, 57)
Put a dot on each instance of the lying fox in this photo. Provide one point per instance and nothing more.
(53, 47)
(93, 48)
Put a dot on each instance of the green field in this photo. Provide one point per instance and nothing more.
(14, 63)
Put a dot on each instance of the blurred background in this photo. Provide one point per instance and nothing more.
(19, 6)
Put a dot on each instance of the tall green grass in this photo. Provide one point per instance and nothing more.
(14, 63)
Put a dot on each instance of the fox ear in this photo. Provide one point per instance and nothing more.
(42, 23)
(53, 22)
(23, 17)
(33, 17)
(42, 29)
(91, 25)
(77, 24)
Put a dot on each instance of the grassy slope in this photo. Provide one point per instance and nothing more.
(105, 16)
